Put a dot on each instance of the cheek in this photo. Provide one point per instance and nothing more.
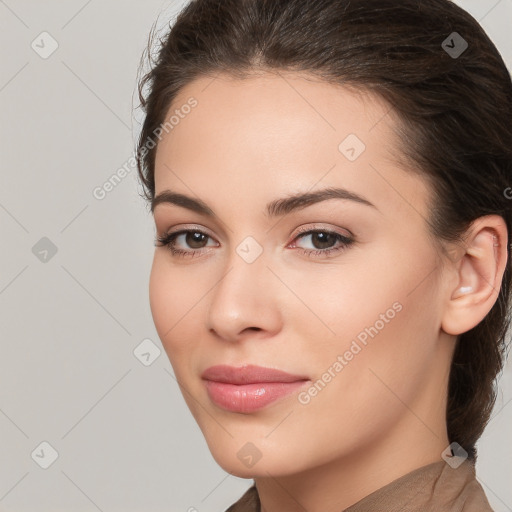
(172, 302)
(380, 318)
(160, 297)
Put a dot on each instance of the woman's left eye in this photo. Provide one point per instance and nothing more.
(322, 241)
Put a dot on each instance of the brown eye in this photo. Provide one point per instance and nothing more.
(185, 242)
(323, 242)
(195, 239)
(323, 239)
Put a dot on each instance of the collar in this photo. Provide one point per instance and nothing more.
(436, 487)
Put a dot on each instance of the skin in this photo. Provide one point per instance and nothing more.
(247, 143)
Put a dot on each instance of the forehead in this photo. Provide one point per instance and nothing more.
(273, 112)
(267, 96)
(284, 131)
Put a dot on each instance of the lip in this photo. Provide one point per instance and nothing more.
(250, 387)
(248, 374)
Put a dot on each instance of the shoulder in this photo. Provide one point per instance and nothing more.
(462, 490)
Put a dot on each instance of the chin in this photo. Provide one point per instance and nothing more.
(246, 460)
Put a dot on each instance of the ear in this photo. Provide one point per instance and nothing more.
(479, 274)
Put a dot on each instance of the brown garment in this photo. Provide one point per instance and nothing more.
(436, 487)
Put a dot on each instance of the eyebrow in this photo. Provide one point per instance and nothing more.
(275, 208)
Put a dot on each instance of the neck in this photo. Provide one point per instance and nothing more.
(340, 483)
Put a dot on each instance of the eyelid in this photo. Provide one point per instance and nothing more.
(321, 227)
(176, 214)
(189, 227)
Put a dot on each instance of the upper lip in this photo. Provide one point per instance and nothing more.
(248, 374)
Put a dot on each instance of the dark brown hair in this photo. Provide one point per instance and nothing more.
(454, 113)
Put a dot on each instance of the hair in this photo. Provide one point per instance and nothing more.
(453, 115)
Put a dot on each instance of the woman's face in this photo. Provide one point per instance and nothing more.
(359, 321)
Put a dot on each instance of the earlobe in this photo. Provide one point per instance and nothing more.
(479, 275)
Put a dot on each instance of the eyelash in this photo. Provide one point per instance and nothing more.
(168, 240)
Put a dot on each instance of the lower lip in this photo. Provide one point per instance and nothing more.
(249, 397)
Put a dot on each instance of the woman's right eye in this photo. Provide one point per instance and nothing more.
(194, 238)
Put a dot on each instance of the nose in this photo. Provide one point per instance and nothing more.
(245, 299)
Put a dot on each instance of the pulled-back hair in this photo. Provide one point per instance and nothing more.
(454, 113)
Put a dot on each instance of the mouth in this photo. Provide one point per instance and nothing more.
(249, 388)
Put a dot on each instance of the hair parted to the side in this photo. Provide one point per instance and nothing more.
(454, 121)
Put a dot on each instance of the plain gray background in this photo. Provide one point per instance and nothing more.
(74, 279)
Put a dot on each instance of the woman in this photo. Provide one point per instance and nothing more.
(332, 273)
